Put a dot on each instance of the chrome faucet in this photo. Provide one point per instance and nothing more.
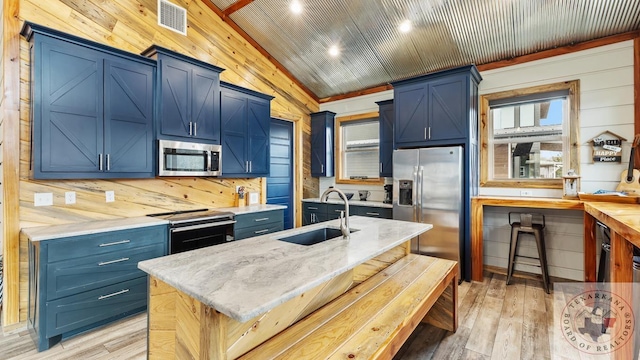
(343, 227)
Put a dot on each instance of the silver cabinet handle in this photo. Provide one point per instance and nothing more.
(115, 243)
(112, 261)
(250, 166)
(338, 210)
(373, 214)
(261, 219)
(100, 162)
(312, 208)
(429, 132)
(246, 166)
(425, 133)
(313, 218)
(195, 129)
(380, 167)
(114, 294)
(190, 128)
(261, 231)
(108, 162)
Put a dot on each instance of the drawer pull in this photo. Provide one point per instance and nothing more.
(338, 210)
(115, 243)
(373, 214)
(114, 294)
(312, 208)
(261, 231)
(112, 261)
(261, 219)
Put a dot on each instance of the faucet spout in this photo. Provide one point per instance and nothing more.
(344, 227)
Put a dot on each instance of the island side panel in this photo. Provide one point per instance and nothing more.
(371, 267)
(161, 320)
(243, 337)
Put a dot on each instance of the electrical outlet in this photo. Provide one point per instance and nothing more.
(110, 196)
(526, 193)
(254, 198)
(43, 199)
(70, 197)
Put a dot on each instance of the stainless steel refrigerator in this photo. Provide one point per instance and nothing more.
(427, 188)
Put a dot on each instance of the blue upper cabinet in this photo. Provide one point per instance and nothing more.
(92, 108)
(386, 118)
(189, 95)
(322, 147)
(245, 117)
(435, 109)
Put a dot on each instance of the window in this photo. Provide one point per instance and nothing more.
(357, 149)
(529, 136)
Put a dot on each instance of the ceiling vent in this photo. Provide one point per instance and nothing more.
(172, 17)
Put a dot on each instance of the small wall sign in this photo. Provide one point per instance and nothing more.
(606, 148)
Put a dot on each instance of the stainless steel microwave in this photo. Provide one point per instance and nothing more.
(181, 158)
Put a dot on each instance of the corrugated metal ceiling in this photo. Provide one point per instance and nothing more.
(445, 33)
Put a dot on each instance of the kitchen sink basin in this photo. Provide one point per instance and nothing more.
(314, 236)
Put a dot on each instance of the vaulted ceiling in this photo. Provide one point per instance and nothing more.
(444, 34)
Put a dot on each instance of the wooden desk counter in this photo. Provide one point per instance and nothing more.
(477, 219)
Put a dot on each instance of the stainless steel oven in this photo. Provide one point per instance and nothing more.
(181, 158)
(194, 229)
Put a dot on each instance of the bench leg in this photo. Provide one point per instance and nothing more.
(444, 313)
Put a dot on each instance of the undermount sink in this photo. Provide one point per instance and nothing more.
(314, 236)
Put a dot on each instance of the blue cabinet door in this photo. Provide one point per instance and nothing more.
(386, 118)
(204, 105)
(68, 127)
(234, 141)
(410, 104)
(258, 128)
(322, 128)
(448, 110)
(175, 104)
(128, 124)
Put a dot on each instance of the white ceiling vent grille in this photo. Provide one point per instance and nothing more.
(172, 17)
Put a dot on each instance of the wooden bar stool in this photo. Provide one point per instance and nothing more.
(528, 226)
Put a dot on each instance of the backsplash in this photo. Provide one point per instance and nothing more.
(377, 192)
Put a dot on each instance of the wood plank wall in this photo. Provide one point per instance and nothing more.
(131, 25)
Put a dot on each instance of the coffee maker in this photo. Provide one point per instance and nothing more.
(388, 193)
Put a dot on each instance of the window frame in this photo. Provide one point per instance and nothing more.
(570, 142)
(338, 159)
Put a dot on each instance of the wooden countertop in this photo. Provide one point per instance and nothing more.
(529, 202)
(624, 219)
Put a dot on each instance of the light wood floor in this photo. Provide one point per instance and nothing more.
(495, 322)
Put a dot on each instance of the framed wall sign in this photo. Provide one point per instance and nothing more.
(607, 148)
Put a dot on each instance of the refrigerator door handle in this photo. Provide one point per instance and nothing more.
(420, 205)
(414, 194)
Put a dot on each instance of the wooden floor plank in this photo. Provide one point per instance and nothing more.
(452, 345)
(508, 340)
(482, 341)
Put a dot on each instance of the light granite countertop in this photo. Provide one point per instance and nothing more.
(40, 233)
(251, 208)
(352, 202)
(243, 279)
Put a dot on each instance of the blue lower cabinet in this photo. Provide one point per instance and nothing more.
(95, 281)
(258, 223)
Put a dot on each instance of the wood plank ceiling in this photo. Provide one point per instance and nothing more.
(444, 34)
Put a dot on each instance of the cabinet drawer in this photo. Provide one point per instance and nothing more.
(258, 230)
(384, 213)
(66, 278)
(76, 311)
(101, 243)
(258, 218)
(314, 207)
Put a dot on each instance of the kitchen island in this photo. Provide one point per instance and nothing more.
(222, 301)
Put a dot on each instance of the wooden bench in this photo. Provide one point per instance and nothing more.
(374, 319)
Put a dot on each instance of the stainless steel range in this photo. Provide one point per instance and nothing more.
(194, 229)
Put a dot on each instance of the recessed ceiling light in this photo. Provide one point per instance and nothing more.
(295, 7)
(405, 26)
(334, 51)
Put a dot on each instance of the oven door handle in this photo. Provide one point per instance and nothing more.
(203, 226)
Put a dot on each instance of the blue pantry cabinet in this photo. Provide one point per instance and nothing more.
(92, 108)
(322, 146)
(188, 97)
(386, 117)
(246, 121)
